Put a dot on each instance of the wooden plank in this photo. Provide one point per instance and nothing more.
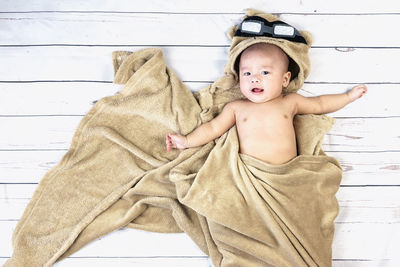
(185, 29)
(76, 98)
(365, 263)
(200, 64)
(10, 192)
(95, 63)
(368, 241)
(27, 166)
(378, 204)
(27, 132)
(352, 65)
(52, 98)
(55, 132)
(349, 243)
(205, 6)
(372, 134)
(363, 168)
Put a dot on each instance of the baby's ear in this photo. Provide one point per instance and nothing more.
(231, 32)
(286, 80)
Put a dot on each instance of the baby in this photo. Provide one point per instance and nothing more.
(264, 121)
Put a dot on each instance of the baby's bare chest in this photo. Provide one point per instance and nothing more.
(264, 121)
(267, 116)
(266, 133)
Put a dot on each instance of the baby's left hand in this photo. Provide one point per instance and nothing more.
(357, 91)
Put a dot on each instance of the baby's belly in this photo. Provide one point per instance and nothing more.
(269, 152)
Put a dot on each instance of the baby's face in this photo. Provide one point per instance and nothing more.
(263, 72)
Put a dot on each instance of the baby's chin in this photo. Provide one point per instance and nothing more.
(258, 100)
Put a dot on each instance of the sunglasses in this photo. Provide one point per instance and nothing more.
(257, 26)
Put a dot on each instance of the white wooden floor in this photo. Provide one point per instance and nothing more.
(55, 61)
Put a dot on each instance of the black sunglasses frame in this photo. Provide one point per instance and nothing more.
(267, 29)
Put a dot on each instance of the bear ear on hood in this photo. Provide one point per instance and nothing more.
(231, 32)
(307, 36)
(249, 12)
(253, 12)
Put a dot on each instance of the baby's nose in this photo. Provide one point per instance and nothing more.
(255, 79)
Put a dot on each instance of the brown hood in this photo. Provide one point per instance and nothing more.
(298, 52)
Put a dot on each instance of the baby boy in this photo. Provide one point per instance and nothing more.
(264, 121)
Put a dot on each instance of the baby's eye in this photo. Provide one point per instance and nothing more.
(264, 72)
(247, 73)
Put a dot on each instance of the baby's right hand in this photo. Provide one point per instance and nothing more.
(175, 141)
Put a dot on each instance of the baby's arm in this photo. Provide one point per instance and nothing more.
(327, 103)
(205, 132)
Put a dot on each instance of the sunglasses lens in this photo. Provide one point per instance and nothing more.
(283, 30)
(251, 27)
(257, 26)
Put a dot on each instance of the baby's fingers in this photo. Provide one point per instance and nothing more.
(169, 142)
(357, 92)
(361, 87)
(175, 141)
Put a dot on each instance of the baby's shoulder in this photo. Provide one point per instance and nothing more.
(236, 104)
(291, 101)
(241, 103)
(292, 98)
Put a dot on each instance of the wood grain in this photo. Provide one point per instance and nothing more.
(205, 6)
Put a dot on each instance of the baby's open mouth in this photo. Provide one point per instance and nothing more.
(257, 90)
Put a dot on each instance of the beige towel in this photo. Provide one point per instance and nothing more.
(117, 173)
